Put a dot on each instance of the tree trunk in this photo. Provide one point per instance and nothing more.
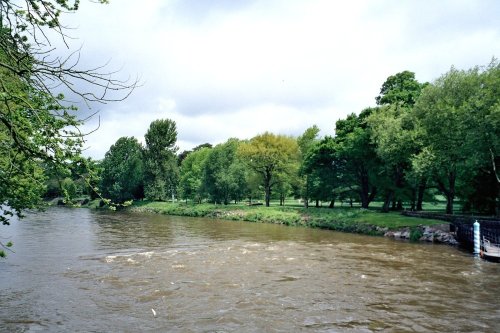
(399, 205)
(306, 194)
(448, 192)
(267, 186)
(268, 195)
(387, 201)
(317, 203)
(332, 203)
(420, 196)
(449, 204)
(413, 200)
(365, 195)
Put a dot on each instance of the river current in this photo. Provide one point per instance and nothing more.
(78, 270)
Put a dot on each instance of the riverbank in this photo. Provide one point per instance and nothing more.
(352, 220)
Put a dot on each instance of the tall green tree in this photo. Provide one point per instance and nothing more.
(401, 88)
(162, 170)
(357, 154)
(480, 186)
(324, 170)
(122, 177)
(457, 115)
(191, 175)
(396, 140)
(306, 141)
(393, 132)
(224, 176)
(270, 155)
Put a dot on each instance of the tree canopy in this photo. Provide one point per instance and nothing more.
(122, 178)
(269, 155)
(162, 169)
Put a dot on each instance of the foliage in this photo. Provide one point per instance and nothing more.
(36, 131)
(38, 128)
(415, 234)
(306, 142)
(122, 177)
(458, 116)
(162, 170)
(4, 247)
(270, 155)
(357, 156)
(224, 176)
(191, 175)
(401, 89)
(323, 170)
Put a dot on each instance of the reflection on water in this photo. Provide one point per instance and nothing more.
(79, 270)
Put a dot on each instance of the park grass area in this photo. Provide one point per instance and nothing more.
(355, 220)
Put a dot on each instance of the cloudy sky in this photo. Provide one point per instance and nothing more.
(237, 68)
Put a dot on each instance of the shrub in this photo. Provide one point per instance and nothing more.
(415, 234)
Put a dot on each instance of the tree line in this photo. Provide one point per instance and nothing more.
(420, 139)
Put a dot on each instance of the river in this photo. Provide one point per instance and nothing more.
(78, 270)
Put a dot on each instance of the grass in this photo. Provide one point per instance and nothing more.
(353, 220)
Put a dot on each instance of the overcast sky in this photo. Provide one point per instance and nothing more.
(233, 68)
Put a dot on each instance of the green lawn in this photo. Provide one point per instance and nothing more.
(341, 218)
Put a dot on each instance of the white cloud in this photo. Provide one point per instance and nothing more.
(235, 69)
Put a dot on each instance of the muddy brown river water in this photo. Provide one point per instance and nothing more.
(77, 270)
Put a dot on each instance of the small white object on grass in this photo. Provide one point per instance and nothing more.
(154, 312)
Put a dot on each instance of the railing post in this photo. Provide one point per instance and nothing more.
(477, 238)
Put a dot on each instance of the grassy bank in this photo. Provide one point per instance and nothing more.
(353, 220)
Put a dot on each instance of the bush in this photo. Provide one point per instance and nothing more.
(415, 234)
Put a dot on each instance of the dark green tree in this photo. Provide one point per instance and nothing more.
(393, 132)
(401, 88)
(191, 175)
(458, 117)
(396, 140)
(306, 141)
(357, 155)
(162, 170)
(122, 177)
(323, 169)
(224, 176)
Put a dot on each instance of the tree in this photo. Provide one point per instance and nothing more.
(36, 123)
(191, 174)
(269, 155)
(122, 178)
(186, 153)
(458, 116)
(36, 131)
(306, 141)
(356, 154)
(401, 88)
(396, 140)
(323, 169)
(394, 135)
(224, 176)
(162, 171)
